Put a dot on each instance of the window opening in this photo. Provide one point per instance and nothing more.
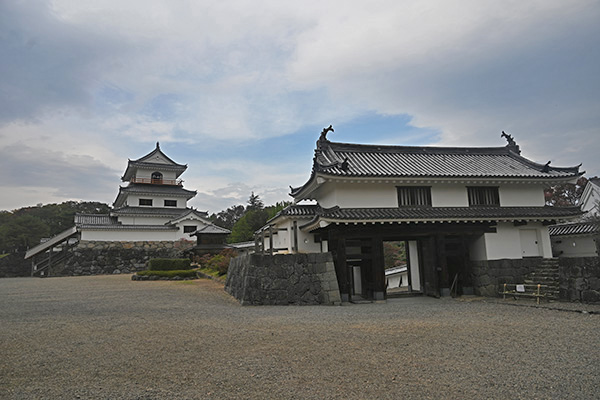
(419, 196)
(483, 196)
(189, 228)
(145, 202)
(170, 203)
(157, 177)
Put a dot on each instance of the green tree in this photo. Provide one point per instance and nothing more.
(254, 219)
(22, 232)
(227, 218)
(51, 220)
(254, 203)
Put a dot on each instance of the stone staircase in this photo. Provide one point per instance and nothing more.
(546, 273)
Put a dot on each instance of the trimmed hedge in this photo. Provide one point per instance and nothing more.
(170, 274)
(169, 264)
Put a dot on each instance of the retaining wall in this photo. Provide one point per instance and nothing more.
(580, 279)
(101, 257)
(283, 279)
(488, 275)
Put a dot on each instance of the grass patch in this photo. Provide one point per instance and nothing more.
(169, 274)
(211, 272)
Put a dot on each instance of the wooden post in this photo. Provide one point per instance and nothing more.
(295, 229)
(271, 239)
(342, 269)
(378, 268)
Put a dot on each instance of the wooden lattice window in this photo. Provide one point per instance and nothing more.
(145, 202)
(414, 196)
(483, 196)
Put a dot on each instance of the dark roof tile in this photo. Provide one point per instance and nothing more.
(576, 228)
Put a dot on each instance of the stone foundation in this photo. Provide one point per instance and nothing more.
(283, 279)
(100, 257)
(580, 279)
(489, 275)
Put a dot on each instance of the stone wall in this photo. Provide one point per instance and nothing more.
(488, 275)
(283, 279)
(100, 257)
(580, 279)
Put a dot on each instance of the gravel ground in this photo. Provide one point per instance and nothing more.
(107, 337)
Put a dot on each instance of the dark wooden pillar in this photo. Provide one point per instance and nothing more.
(270, 239)
(295, 229)
(442, 263)
(341, 269)
(378, 268)
(427, 253)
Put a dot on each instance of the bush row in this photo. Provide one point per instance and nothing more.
(169, 264)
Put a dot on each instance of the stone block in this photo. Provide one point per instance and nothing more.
(590, 296)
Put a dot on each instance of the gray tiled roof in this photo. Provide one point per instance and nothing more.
(407, 214)
(162, 190)
(296, 210)
(357, 160)
(445, 213)
(151, 190)
(211, 229)
(141, 162)
(369, 160)
(440, 214)
(576, 228)
(95, 219)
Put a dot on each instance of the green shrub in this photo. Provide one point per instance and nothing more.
(219, 262)
(170, 274)
(169, 264)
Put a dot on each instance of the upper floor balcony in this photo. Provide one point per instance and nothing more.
(157, 181)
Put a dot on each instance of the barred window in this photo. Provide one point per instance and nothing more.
(483, 196)
(189, 228)
(419, 196)
(145, 202)
(170, 203)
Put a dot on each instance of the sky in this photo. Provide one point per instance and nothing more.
(240, 90)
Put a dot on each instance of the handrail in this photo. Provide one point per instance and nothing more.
(170, 182)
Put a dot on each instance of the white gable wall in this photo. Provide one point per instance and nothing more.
(590, 198)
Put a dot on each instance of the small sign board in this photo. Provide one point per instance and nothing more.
(521, 288)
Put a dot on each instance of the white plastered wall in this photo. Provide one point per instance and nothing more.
(365, 194)
(521, 195)
(506, 242)
(132, 220)
(133, 200)
(574, 246)
(283, 240)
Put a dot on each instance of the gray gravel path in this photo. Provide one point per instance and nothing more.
(107, 337)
